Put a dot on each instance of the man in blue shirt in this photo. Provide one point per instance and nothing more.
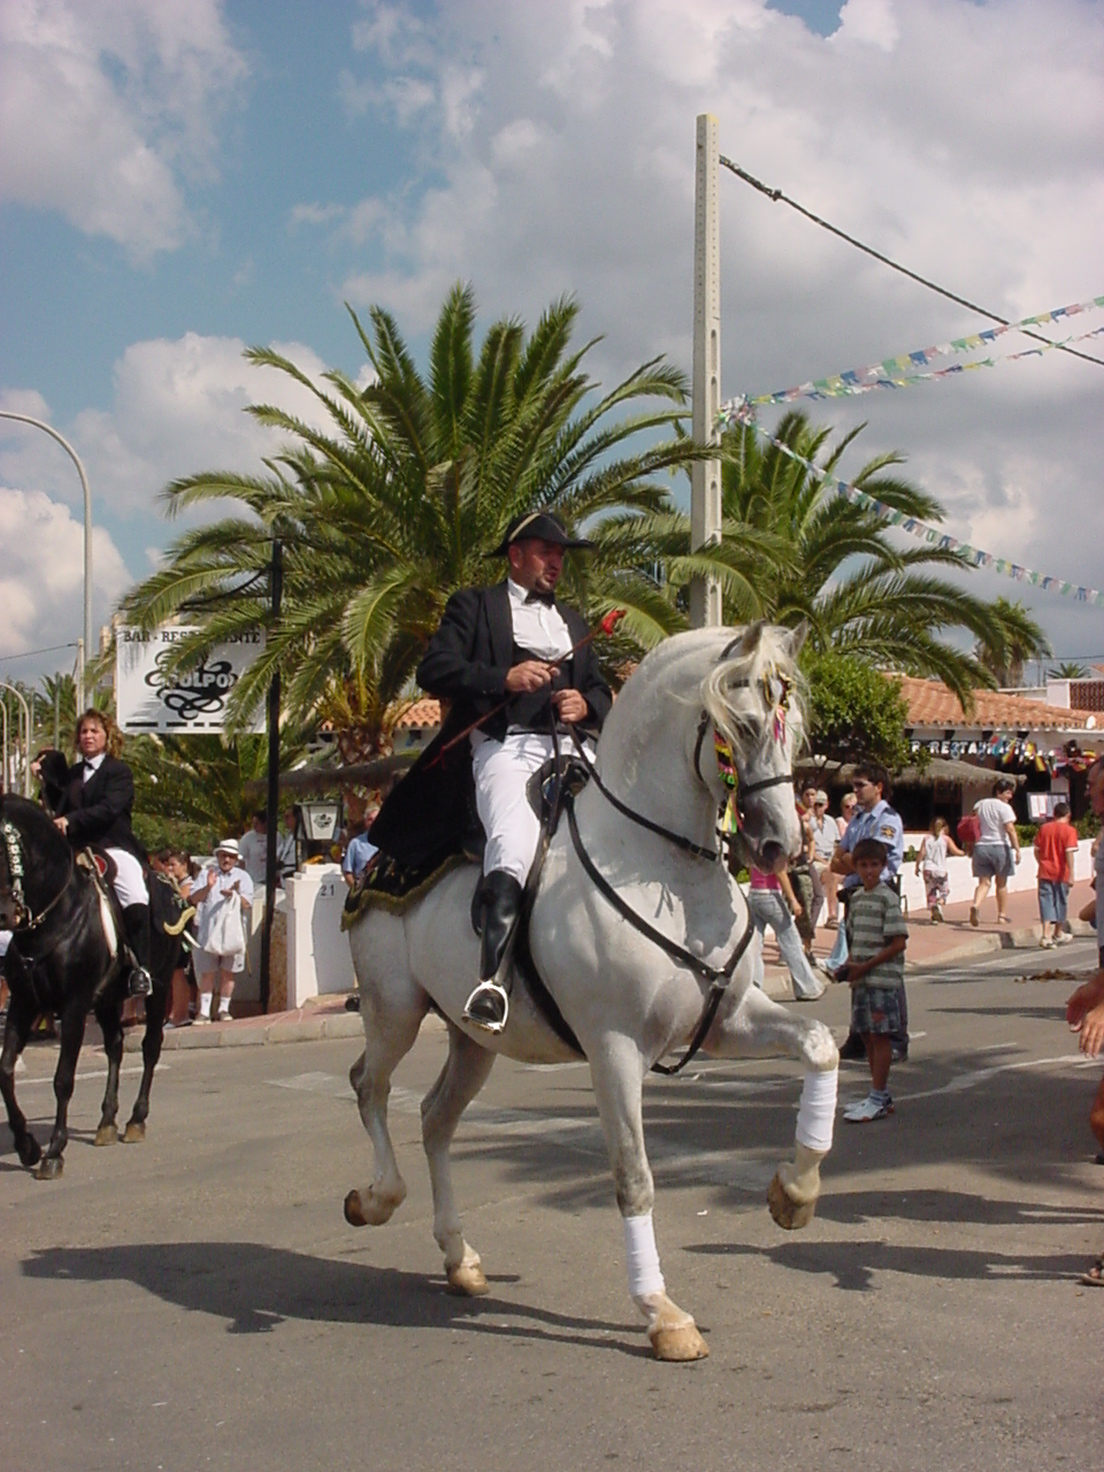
(358, 856)
(874, 818)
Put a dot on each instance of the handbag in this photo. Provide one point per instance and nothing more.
(224, 933)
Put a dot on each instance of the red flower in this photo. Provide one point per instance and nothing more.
(611, 619)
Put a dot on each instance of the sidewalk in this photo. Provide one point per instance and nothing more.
(930, 946)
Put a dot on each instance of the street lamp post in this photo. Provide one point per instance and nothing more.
(68, 448)
(4, 685)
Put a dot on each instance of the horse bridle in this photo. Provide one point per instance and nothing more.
(25, 920)
(718, 977)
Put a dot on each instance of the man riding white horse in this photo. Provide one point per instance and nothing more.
(92, 802)
(513, 654)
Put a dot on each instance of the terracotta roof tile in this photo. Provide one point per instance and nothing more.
(424, 712)
(931, 703)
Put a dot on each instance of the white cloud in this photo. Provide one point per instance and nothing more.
(961, 139)
(108, 109)
(42, 576)
(869, 21)
(178, 408)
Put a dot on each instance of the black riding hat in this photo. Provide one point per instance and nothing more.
(538, 526)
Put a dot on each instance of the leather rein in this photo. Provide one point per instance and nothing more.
(718, 977)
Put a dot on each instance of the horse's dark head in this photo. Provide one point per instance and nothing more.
(34, 861)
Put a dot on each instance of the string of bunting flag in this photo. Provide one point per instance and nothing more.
(942, 541)
(896, 372)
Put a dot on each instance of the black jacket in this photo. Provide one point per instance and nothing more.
(432, 810)
(99, 809)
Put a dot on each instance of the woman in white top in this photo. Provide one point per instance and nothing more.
(997, 851)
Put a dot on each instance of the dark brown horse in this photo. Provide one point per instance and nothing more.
(63, 960)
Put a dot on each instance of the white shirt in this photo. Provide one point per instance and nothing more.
(538, 627)
(934, 854)
(92, 764)
(254, 852)
(223, 882)
(992, 815)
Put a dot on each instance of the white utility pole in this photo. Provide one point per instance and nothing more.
(705, 483)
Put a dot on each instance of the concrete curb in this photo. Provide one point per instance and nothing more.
(248, 1033)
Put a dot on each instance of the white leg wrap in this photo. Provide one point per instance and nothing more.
(641, 1257)
(816, 1113)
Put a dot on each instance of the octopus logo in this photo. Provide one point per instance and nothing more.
(199, 692)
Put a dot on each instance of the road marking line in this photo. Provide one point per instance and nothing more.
(25, 1083)
(966, 1081)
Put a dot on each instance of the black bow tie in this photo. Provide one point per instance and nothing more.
(535, 597)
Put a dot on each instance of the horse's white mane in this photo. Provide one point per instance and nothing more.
(726, 687)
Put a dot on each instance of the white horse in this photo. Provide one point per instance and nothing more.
(628, 999)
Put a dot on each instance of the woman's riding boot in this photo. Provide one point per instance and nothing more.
(499, 909)
(136, 918)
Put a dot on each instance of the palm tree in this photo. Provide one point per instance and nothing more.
(860, 595)
(193, 788)
(396, 504)
(1069, 669)
(1013, 638)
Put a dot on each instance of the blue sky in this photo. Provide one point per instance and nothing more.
(178, 180)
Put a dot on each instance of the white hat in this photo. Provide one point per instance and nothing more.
(229, 846)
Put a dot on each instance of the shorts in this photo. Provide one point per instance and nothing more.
(205, 962)
(994, 861)
(1053, 900)
(877, 1009)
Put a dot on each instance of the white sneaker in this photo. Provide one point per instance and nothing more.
(1063, 938)
(1046, 943)
(866, 1110)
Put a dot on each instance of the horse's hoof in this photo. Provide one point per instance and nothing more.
(107, 1134)
(788, 1214)
(135, 1132)
(679, 1345)
(30, 1152)
(48, 1168)
(466, 1280)
(354, 1213)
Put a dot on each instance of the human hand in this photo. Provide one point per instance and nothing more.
(570, 705)
(797, 910)
(528, 676)
(62, 825)
(1085, 1015)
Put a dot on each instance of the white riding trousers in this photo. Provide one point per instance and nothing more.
(502, 770)
(130, 882)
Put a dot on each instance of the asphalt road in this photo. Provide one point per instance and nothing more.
(198, 1301)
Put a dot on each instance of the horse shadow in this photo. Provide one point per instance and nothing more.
(256, 1287)
(852, 1265)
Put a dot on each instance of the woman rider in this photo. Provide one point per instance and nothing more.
(92, 802)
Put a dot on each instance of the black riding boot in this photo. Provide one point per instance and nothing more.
(499, 908)
(136, 918)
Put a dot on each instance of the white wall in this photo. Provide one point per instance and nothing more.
(963, 881)
(318, 957)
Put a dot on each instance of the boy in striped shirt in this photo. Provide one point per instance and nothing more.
(876, 937)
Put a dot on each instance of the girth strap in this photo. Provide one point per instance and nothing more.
(718, 977)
